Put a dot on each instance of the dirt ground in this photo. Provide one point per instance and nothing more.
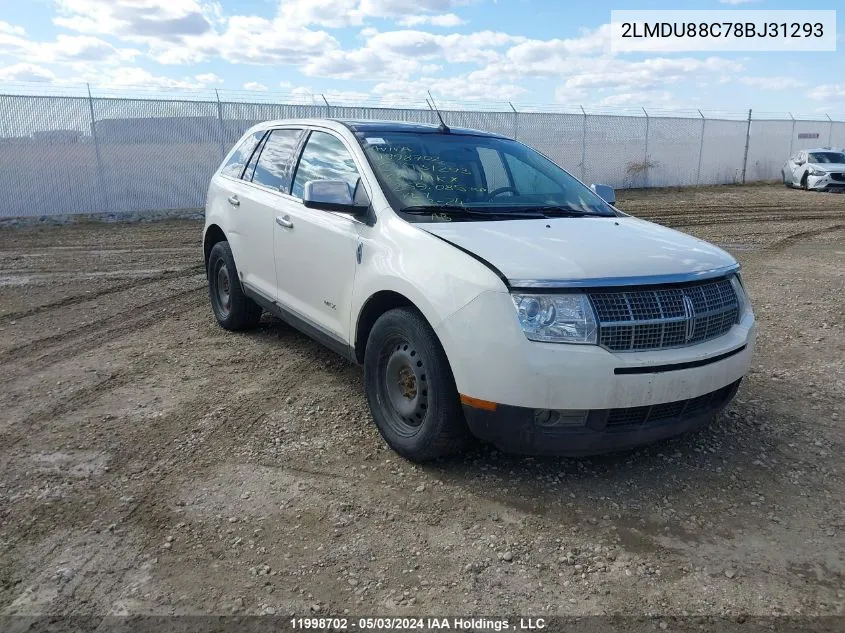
(152, 463)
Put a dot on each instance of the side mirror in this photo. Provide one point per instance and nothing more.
(605, 192)
(335, 195)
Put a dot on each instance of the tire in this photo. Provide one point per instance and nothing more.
(232, 308)
(804, 182)
(411, 390)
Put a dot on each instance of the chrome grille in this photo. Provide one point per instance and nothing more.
(674, 316)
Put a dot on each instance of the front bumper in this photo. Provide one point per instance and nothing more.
(516, 429)
(493, 361)
(828, 182)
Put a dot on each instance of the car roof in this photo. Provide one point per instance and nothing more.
(823, 149)
(377, 126)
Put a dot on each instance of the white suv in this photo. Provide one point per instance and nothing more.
(485, 290)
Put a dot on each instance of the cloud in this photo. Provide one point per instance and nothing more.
(11, 29)
(444, 19)
(828, 92)
(209, 79)
(771, 83)
(65, 49)
(26, 72)
(473, 86)
(328, 13)
(129, 77)
(344, 13)
(169, 20)
(392, 8)
(549, 56)
(641, 98)
(254, 85)
(401, 54)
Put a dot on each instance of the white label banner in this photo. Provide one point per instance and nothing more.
(722, 30)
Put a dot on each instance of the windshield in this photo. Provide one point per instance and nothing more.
(465, 177)
(827, 157)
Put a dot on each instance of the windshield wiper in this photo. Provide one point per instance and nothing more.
(456, 210)
(554, 211)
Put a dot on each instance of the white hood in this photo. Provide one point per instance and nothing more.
(581, 248)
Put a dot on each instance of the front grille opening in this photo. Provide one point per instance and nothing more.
(677, 411)
(676, 316)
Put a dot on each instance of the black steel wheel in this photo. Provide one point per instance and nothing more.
(232, 308)
(410, 388)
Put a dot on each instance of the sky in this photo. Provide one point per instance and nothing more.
(391, 52)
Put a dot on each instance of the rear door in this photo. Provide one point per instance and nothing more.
(264, 185)
(315, 249)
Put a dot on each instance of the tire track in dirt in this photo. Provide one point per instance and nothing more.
(677, 220)
(92, 335)
(790, 240)
(129, 285)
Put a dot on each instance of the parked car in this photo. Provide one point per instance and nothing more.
(484, 289)
(816, 170)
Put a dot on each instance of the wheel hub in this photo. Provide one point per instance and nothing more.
(224, 289)
(404, 379)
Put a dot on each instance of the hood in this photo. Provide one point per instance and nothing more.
(581, 248)
(835, 167)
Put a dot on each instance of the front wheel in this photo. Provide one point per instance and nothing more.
(410, 388)
(804, 182)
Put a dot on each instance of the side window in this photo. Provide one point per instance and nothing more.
(274, 165)
(235, 165)
(527, 178)
(325, 157)
(494, 168)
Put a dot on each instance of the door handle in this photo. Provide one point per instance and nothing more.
(284, 221)
(233, 200)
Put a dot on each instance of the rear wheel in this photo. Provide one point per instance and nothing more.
(232, 308)
(410, 388)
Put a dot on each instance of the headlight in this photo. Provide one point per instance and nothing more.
(562, 318)
(742, 297)
(817, 172)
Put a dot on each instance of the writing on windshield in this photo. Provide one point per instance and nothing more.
(420, 169)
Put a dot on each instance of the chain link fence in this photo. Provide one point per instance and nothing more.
(68, 155)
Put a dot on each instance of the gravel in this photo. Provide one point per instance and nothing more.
(152, 463)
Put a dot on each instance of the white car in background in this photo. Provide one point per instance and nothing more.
(484, 290)
(816, 170)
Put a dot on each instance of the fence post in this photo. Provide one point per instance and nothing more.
(584, 146)
(747, 142)
(830, 132)
(220, 121)
(103, 194)
(792, 138)
(645, 164)
(515, 121)
(328, 107)
(700, 148)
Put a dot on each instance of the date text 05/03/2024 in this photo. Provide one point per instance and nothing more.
(408, 624)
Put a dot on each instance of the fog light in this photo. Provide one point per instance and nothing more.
(556, 418)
